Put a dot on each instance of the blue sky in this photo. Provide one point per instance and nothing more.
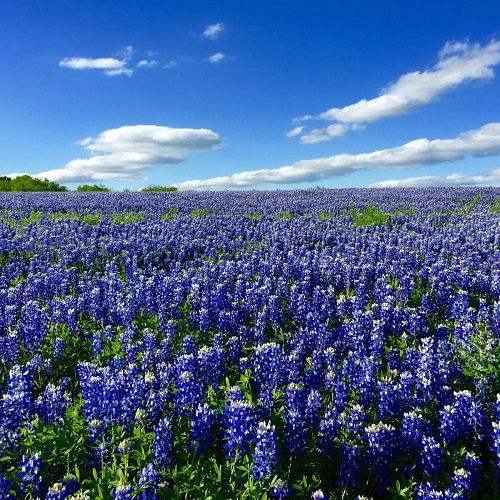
(221, 83)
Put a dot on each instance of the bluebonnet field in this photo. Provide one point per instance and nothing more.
(313, 343)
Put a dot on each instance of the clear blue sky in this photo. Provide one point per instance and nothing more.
(274, 61)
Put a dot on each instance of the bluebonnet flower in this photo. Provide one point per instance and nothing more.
(328, 430)
(382, 442)
(428, 491)
(5, 488)
(431, 455)
(267, 365)
(314, 372)
(211, 365)
(280, 489)
(465, 478)
(16, 406)
(30, 478)
(163, 443)
(123, 491)
(202, 424)
(148, 483)
(313, 407)
(189, 345)
(239, 420)
(53, 403)
(264, 456)
(354, 420)
(189, 392)
(56, 492)
(461, 418)
(495, 448)
(319, 495)
(97, 344)
(394, 398)
(350, 459)
(412, 429)
(461, 483)
(296, 423)
(61, 490)
(58, 348)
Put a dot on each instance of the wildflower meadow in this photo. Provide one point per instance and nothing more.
(304, 344)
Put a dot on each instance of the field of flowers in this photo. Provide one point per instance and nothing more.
(312, 344)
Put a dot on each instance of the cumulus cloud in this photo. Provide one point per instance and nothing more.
(145, 63)
(215, 58)
(213, 31)
(88, 63)
(492, 177)
(484, 141)
(295, 131)
(320, 135)
(458, 63)
(125, 153)
(110, 66)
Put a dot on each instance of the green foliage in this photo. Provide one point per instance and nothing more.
(126, 218)
(285, 215)
(159, 189)
(469, 207)
(403, 489)
(494, 206)
(406, 211)
(85, 188)
(253, 215)
(369, 216)
(26, 183)
(201, 212)
(482, 358)
(92, 219)
(172, 213)
(323, 215)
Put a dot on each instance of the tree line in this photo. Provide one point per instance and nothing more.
(26, 183)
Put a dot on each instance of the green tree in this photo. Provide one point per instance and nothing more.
(26, 183)
(84, 188)
(159, 189)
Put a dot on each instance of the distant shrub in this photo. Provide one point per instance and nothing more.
(96, 187)
(159, 189)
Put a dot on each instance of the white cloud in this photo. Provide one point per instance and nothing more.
(111, 66)
(16, 174)
(213, 31)
(458, 63)
(215, 58)
(484, 141)
(119, 71)
(87, 63)
(295, 131)
(145, 63)
(171, 64)
(131, 150)
(320, 135)
(126, 53)
(492, 177)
